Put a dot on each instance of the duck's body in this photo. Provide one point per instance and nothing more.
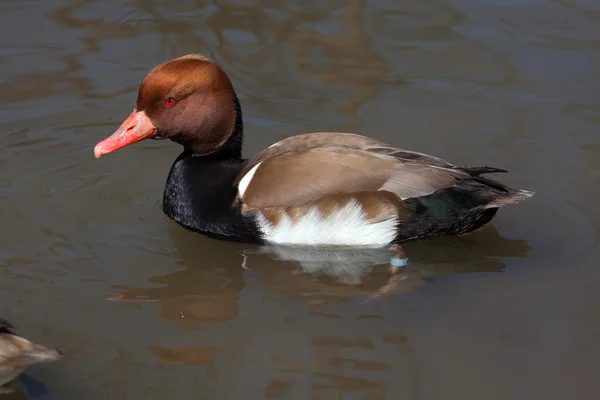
(289, 206)
(320, 188)
(17, 353)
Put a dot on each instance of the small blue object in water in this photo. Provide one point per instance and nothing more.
(399, 262)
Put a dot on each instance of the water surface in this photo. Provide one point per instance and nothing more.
(143, 309)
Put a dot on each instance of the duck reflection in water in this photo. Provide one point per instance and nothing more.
(374, 274)
(208, 291)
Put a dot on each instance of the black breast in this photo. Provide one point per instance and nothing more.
(199, 194)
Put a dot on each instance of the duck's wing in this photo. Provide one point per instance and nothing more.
(313, 140)
(307, 141)
(305, 168)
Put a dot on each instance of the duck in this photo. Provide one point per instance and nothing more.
(311, 189)
(17, 353)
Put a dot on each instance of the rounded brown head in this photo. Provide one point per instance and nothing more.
(189, 100)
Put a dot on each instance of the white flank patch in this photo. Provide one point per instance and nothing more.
(245, 181)
(347, 226)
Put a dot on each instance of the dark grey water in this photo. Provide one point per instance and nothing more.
(143, 309)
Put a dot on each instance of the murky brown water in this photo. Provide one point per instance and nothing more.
(145, 310)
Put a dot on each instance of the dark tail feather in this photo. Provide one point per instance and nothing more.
(511, 197)
(475, 171)
(461, 208)
(503, 195)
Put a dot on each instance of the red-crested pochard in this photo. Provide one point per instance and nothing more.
(16, 353)
(324, 188)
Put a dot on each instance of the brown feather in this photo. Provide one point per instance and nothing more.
(11, 347)
(299, 177)
(307, 141)
(306, 167)
(377, 206)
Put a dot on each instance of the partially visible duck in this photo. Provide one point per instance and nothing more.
(17, 353)
(323, 188)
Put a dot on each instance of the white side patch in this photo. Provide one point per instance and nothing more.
(346, 226)
(245, 181)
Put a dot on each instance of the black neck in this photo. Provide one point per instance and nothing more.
(200, 193)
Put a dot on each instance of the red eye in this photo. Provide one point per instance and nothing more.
(170, 102)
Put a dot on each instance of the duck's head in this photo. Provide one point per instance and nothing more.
(189, 100)
(17, 352)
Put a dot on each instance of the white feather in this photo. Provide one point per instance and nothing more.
(245, 181)
(346, 226)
